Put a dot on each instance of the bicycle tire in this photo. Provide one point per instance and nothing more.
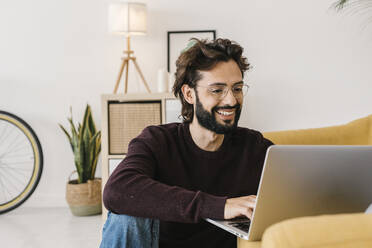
(38, 162)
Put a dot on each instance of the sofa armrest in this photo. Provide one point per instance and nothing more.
(326, 231)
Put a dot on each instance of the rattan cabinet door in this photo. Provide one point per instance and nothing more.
(127, 120)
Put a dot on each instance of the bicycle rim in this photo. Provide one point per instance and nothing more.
(21, 161)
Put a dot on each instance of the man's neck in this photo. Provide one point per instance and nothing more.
(204, 138)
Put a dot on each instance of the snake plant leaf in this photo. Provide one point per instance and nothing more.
(79, 127)
(67, 134)
(86, 113)
(87, 153)
(95, 140)
(98, 150)
(340, 4)
(356, 5)
(79, 163)
(92, 126)
(89, 119)
(79, 158)
(86, 117)
(92, 149)
(73, 130)
(74, 141)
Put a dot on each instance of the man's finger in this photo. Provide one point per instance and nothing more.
(248, 213)
(251, 203)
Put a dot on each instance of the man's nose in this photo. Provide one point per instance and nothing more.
(229, 99)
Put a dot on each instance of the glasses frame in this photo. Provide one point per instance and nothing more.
(225, 91)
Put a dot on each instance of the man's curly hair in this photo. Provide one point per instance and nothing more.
(203, 55)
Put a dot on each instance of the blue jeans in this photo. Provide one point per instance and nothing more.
(124, 231)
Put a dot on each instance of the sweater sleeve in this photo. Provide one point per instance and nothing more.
(132, 190)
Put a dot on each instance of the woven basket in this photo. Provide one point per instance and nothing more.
(84, 198)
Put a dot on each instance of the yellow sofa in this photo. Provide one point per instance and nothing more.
(326, 231)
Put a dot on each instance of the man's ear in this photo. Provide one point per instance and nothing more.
(188, 93)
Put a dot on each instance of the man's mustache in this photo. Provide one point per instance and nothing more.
(236, 106)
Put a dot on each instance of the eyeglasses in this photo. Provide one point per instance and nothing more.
(220, 91)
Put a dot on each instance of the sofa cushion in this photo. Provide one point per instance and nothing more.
(357, 132)
(242, 243)
(325, 231)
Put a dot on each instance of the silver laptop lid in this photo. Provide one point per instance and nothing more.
(312, 180)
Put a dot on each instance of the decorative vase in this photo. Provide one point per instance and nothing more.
(162, 80)
(84, 198)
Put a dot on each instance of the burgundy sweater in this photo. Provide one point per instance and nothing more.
(166, 176)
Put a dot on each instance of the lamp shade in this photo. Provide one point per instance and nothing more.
(127, 18)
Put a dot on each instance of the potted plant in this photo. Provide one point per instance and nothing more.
(84, 194)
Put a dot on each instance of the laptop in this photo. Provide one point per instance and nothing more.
(307, 180)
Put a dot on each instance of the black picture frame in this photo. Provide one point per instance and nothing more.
(174, 47)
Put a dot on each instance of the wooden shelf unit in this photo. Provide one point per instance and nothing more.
(170, 109)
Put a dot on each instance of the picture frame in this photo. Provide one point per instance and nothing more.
(178, 40)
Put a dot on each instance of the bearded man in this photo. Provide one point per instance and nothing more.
(176, 175)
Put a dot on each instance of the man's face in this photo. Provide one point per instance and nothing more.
(219, 114)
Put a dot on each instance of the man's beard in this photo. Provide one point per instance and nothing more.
(208, 120)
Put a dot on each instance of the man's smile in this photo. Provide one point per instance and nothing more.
(224, 112)
(226, 115)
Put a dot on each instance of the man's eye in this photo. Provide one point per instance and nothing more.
(238, 89)
(216, 91)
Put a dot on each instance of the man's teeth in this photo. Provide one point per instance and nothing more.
(225, 113)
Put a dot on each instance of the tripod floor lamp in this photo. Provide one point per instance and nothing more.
(128, 19)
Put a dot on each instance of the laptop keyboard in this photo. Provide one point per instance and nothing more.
(242, 225)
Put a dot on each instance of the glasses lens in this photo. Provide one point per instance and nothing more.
(245, 89)
(240, 90)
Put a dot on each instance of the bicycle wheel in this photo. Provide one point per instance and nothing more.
(21, 161)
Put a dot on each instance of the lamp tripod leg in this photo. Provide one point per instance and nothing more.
(120, 74)
(126, 76)
(141, 75)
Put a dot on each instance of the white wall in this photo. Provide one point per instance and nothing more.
(311, 66)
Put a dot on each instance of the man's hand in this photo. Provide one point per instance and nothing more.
(240, 206)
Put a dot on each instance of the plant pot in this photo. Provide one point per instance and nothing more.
(84, 198)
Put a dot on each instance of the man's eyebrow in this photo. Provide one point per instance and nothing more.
(240, 82)
(224, 84)
(217, 84)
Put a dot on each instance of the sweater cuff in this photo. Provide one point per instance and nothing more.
(213, 206)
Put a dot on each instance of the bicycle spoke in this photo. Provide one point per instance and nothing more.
(6, 156)
(4, 192)
(21, 162)
(8, 134)
(3, 130)
(21, 185)
(10, 176)
(24, 173)
(22, 169)
(12, 146)
(5, 127)
(17, 150)
(10, 183)
(13, 141)
(9, 143)
(26, 155)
